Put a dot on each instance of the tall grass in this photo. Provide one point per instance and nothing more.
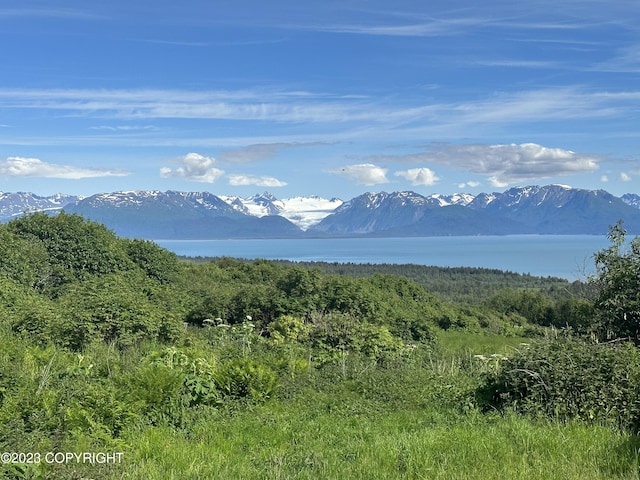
(411, 417)
(382, 423)
(455, 342)
(277, 441)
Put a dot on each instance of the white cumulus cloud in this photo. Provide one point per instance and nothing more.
(194, 167)
(625, 177)
(419, 176)
(34, 167)
(503, 164)
(364, 173)
(259, 181)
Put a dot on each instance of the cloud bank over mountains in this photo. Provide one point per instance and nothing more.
(500, 165)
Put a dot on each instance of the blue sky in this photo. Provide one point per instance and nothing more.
(329, 98)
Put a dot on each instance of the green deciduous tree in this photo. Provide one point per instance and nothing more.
(158, 263)
(618, 283)
(23, 260)
(76, 247)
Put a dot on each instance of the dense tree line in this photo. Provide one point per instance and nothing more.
(468, 285)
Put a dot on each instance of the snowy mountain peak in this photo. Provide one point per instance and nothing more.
(301, 211)
(631, 199)
(264, 196)
(463, 199)
(16, 204)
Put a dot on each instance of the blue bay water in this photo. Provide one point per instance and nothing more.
(565, 256)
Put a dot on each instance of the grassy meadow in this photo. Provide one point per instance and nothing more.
(384, 425)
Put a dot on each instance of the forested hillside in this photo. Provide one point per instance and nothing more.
(469, 285)
(113, 344)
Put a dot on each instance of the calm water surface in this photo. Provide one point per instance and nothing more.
(566, 256)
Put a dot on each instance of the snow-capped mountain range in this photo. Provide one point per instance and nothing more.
(16, 204)
(551, 209)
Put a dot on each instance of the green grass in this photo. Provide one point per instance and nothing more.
(285, 441)
(396, 423)
(464, 343)
(410, 418)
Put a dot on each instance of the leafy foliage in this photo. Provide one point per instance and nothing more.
(76, 248)
(467, 285)
(566, 378)
(618, 283)
(566, 312)
(156, 262)
(247, 378)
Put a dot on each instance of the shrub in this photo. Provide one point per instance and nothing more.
(287, 329)
(110, 308)
(248, 379)
(335, 334)
(76, 248)
(158, 263)
(568, 378)
(156, 388)
(199, 385)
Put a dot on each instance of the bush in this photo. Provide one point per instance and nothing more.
(198, 385)
(335, 334)
(110, 308)
(156, 388)
(248, 379)
(76, 248)
(568, 378)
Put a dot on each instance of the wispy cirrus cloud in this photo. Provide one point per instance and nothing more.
(34, 167)
(296, 106)
(257, 104)
(261, 151)
(425, 28)
(68, 13)
(342, 117)
(406, 23)
(519, 63)
(123, 128)
(625, 60)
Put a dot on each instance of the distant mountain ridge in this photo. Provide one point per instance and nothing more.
(152, 214)
(15, 204)
(551, 209)
(179, 215)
